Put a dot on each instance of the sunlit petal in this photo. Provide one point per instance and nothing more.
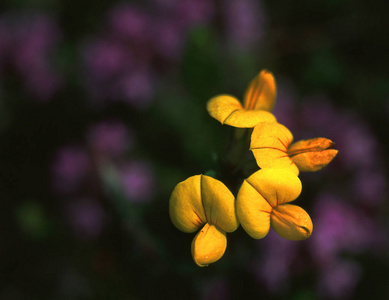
(185, 206)
(228, 110)
(208, 245)
(277, 186)
(261, 92)
(219, 204)
(291, 222)
(269, 144)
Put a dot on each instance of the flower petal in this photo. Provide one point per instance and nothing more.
(208, 245)
(291, 222)
(269, 144)
(228, 110)
(261, 92)
(219, 204)
(185, 206)
(313, 154)
(277, 186)
(253, 211)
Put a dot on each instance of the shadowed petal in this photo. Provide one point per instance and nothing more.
(208, 245)
(228, 110)
(219, 204)
(185, 206)
(261, 92)
(269, 144)
(291, 222)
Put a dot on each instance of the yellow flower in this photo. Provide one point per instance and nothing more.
(258, 103)
(271, 144)
(262, 202)
(202, 201)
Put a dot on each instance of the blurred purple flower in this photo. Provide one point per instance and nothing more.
(86, 217)
(339, 279)
(370, 187)
(105, 59)
(274, 267)
(69, 167)
(110, 138)
(27, 45)
(340, 227)
(138, 181)
(136, 88)
(129, 22)
(245, 23)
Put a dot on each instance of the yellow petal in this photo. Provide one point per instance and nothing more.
(185, 206)
(208, 245)
(228, 110)
(291, 222)
(219, 204)
(269, 144)
(253, 211)
(313, 154)
(261, 93)
(277, 186)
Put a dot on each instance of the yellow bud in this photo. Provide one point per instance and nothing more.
(313, 154)
(291, 222)
(209, 245)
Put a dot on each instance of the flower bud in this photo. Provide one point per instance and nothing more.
(313, 154)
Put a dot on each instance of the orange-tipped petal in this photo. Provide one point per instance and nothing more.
(228, 110)
(185, 206)
(219, 204)
(291, 222)
(277, 186)
(253, 211)
(208, 245)
(269, 144)
(313, 154)
(261, 92)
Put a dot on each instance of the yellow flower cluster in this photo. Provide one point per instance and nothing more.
(202, 202)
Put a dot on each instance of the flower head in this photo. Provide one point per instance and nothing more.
(258, 102)
(271, 144)
(202, 201)
(262, 202)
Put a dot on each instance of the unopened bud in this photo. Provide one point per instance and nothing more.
(313, 154)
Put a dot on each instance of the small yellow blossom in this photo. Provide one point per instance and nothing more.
(204, 202)
(258, 103)
(271, 144)
(262, 202)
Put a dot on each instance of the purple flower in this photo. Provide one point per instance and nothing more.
(86, 217)
(129, 22)
(370, 187)
(339, 279)
(26, 46)
(138, 182)
(105, 59)
(136, 88)
(110, 138)
(340, 227)
(245, 23)
(69, 168)
(274, 268)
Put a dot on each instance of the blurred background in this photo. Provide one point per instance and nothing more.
(102, 113)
